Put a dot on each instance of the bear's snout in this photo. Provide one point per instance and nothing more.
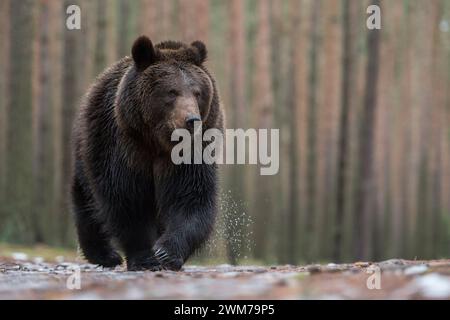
(190, 121)
(186, 113)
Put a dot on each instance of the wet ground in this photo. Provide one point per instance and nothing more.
(392, 279)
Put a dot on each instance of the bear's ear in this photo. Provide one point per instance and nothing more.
(143, 53)
(201, 50)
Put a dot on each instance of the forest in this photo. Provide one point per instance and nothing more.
(364, 119)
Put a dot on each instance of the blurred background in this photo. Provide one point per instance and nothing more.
(364, 119)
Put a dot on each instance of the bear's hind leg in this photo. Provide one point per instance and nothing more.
(94, 242)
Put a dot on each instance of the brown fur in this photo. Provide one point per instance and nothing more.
(125, 186)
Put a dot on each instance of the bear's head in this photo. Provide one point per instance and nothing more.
(165, 88)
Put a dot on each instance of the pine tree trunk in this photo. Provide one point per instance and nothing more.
(263, 106)
(364, 231)
(4, 99)
(346, 86)
(19, 175)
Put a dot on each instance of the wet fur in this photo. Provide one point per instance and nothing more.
(125, 189)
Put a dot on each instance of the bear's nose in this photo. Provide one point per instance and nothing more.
(190, 121)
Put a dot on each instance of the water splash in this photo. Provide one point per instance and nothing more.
(233, 233)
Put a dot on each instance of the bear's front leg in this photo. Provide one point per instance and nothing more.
(186, 197)
(188, 230)
(137, 241)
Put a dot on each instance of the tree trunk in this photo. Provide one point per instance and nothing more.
(4, 99)
(312, 130)
(19, 156)
(343, 152)
(55, 44)
(71, 94)
(123, 34)
(364, 230)
(263, 106)
(293, 110)
(236, 116)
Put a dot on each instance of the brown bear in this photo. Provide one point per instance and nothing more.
(126, 192)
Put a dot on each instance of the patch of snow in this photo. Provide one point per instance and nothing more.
(224, 266)
(434, 286)
(332, 265)
(19, 256)
(231, 274)
(391, 264)
(38, 260)
(417, 269)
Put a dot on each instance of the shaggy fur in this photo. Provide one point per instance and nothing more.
(125, 188)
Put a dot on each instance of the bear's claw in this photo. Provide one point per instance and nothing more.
(167, 261)
(161, 255)
(111, 260)
(146, 264)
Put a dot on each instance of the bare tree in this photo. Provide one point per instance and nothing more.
(263, 108)
(19, 156)
(364, 232)
(71, 94)
(311, 177)
(55, 52)
(187, 21)
(150, 20)
(237, 102)
(124, 16)
(202, 20)
(293, 101)
(343, 144)
(4, 96)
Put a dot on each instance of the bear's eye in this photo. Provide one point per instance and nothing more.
(173, 93)
(197, 94)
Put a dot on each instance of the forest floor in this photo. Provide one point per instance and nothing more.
(25, 277)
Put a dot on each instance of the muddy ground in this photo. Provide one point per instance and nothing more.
(392, 279)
